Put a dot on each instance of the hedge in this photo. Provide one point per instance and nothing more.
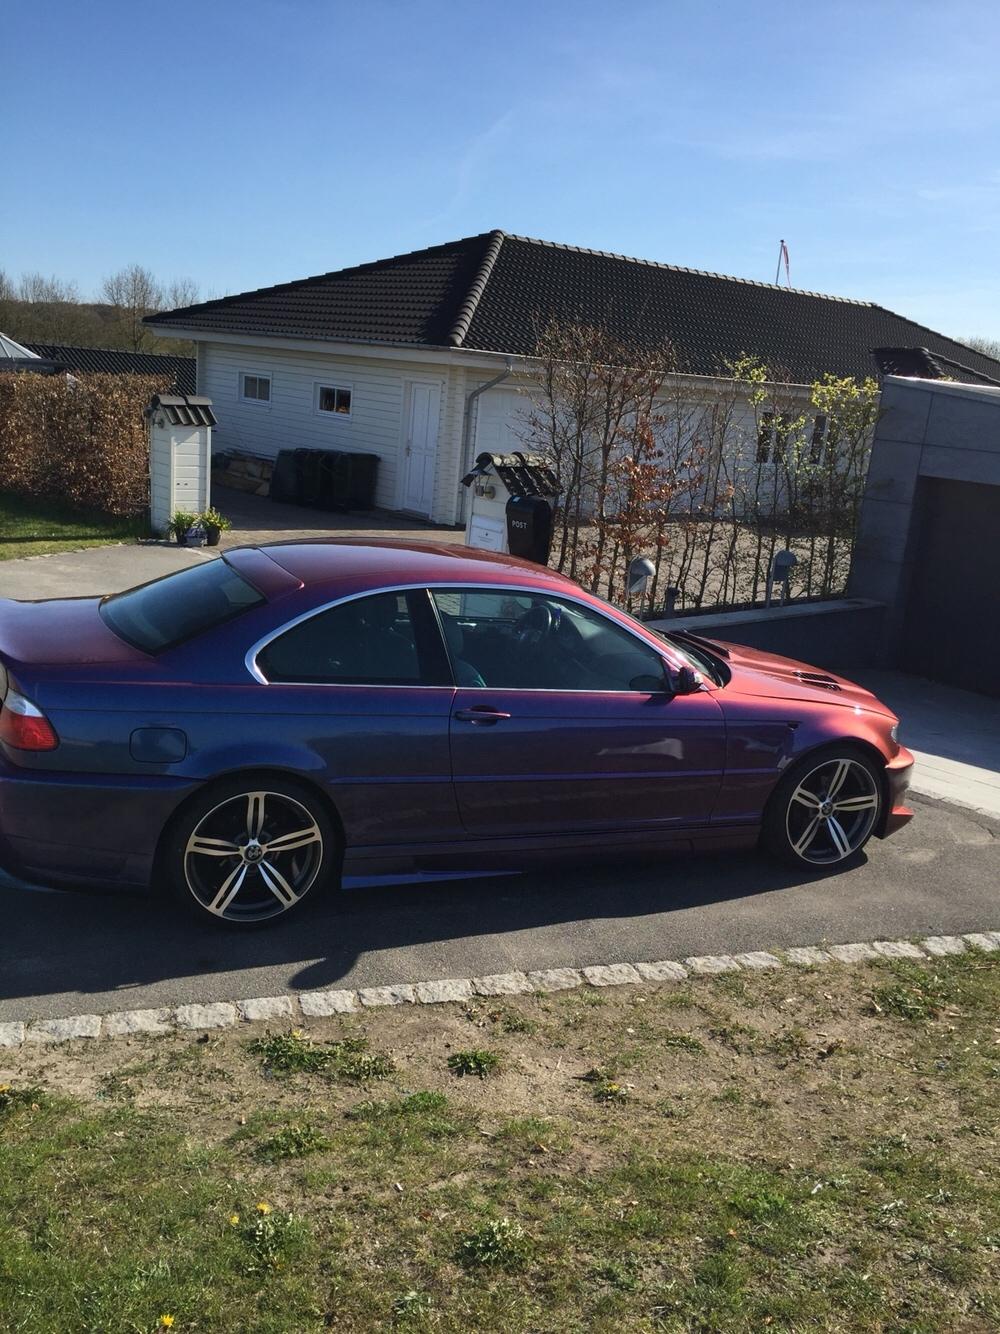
(81, 440)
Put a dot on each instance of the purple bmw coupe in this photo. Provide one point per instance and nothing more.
(250, 730)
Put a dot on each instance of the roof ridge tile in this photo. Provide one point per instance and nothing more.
(681, 268)
(467, 309)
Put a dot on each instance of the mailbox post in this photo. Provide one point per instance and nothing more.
(511, 510)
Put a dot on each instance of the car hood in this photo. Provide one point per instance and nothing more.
(768, 676)
(59, 631)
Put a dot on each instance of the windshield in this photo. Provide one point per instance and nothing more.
(161, 614)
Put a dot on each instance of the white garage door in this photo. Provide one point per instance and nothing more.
(501, 422)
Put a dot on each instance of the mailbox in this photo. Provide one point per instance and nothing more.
(495, 522)
(529, 528)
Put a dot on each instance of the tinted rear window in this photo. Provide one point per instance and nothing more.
(159, 615)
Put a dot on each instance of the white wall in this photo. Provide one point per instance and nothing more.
(290, 419)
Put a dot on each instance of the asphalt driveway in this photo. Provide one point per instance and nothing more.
(63, 953)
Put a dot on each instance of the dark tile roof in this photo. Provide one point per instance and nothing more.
(492, 292)
(115, 361)
(919, 362)
(416, 299)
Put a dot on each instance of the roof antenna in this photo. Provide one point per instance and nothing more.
(782, 258)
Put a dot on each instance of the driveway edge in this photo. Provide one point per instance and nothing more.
(307, 1005)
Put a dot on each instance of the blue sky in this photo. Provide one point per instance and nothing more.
(248, 143)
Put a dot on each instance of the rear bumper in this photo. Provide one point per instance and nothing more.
(898, 773)
(87, 830)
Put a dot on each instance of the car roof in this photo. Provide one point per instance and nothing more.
(384, 561)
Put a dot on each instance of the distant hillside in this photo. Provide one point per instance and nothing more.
(78, 324)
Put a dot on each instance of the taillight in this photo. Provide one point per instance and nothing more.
(23, 726)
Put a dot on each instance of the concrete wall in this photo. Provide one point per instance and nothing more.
(928, 429)
(837, 635)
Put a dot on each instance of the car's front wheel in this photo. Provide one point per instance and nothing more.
(825, 809)
(247, 851)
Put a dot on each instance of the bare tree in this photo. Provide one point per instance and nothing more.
(709, 478)
(133, 292)
(36, 288)
(990, 347)
(179, 293)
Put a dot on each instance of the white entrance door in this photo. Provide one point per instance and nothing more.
(420, 447)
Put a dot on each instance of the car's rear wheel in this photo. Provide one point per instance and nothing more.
(248, 851)
(825, 810)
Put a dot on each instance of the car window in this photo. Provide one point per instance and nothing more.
(158, 615)
(367, 641)
(531, 641)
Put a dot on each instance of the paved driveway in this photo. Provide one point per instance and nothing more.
(71, 953)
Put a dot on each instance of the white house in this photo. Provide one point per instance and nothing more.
(423, 359)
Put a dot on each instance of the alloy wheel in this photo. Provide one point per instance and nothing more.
(253, 856)
(832, 811)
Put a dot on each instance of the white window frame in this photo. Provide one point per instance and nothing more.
(319, 386)
(241, 379)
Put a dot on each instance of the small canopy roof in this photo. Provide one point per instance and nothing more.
(184, 409)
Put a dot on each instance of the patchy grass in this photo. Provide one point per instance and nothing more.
(480, 1061)
(38, 528)
(296, 1053)
(798, 1153)
(294, 1141)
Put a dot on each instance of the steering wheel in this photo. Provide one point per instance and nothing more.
(534, 626)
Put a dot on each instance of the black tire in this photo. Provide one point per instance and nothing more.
(825, 809)
(259, 882)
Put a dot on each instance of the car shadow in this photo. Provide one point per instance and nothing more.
(86, 944)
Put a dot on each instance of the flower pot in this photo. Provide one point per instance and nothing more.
(182, 539)
(213, 535)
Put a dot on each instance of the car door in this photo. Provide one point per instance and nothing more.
(562, 721)
(364, 687)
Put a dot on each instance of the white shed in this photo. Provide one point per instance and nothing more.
(180, 456)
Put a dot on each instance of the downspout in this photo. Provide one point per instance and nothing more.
(470, 400)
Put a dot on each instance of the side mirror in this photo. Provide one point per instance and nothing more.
(651, 684)
(686, 681)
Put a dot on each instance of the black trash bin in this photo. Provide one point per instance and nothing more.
(308, 476)
(361, 486)
(347, 481)
(284, 478)
(529, 528)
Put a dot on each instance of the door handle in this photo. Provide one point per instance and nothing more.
(482, 714)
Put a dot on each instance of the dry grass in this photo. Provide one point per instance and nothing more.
(792, 1151)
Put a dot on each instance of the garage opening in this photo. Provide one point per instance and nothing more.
(951, 630)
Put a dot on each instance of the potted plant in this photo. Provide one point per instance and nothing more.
(180, 524)
(216, 524)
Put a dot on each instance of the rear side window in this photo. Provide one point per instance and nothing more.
(159, 615)
(381, 640)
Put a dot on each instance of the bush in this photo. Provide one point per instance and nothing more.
(82, 440)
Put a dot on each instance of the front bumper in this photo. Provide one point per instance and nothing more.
(84, 830)
(898, 773)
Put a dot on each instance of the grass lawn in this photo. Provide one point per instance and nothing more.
(37, 528)
(783, 1151)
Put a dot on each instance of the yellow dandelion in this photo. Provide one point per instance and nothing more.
(234, 1219)
(263, 1207)
(166, 1321)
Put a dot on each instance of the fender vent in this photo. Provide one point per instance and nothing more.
(818, 679)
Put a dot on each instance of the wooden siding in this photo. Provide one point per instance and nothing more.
(290, 419)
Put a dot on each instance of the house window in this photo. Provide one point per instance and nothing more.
(333, 398)
(816, 444)
(772, 436)
(255, 388)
